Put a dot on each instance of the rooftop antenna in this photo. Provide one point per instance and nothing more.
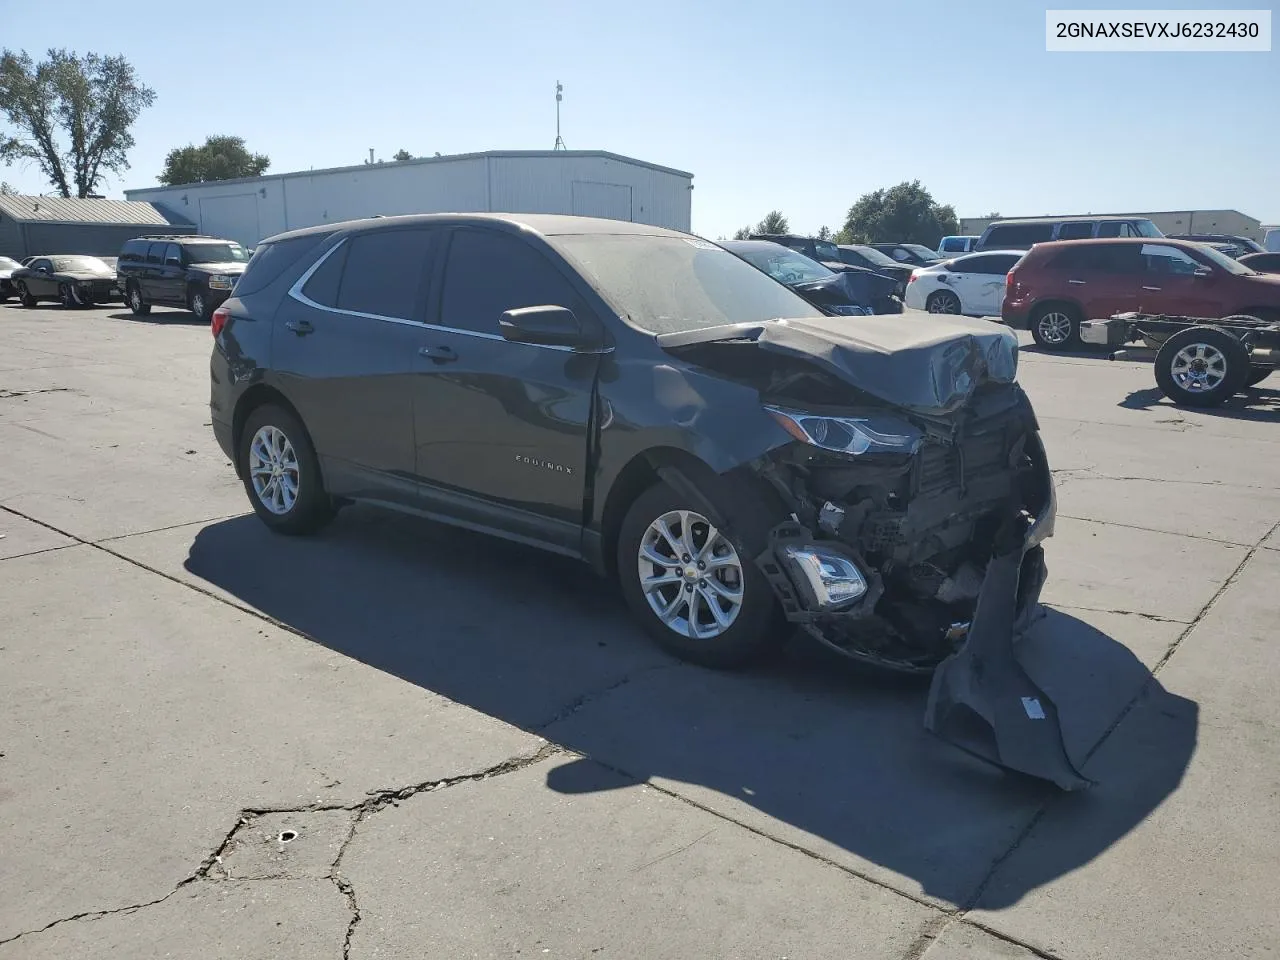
(559, 145)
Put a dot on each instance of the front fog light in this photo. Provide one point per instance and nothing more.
(831, 580)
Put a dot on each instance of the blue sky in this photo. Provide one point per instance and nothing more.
(799, 106)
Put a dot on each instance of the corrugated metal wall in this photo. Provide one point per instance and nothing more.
(586, 185)
(93, 239)
(11, 239)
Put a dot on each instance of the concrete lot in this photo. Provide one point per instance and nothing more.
(471, 752)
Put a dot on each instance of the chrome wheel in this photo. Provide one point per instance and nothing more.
(135, 298)
(197, 304)
(1055, 327)
(943, 303)
(1198, 367)
(691, 575)
(273, 469)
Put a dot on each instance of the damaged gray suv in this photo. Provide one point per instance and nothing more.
(743, 463)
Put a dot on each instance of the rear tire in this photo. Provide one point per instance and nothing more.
(1201, 367)
(1055, 326)
(692, 631)
(133, 295)
(281, 473)
(25, 297)
(942, 301)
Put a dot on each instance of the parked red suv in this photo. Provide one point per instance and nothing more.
(1057, 285)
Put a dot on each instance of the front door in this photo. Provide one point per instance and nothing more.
(344, 346)
(172, 276)
(502, 428)
(1170, 284)
(40, 282)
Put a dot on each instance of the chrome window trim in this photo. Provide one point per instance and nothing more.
(296, 293)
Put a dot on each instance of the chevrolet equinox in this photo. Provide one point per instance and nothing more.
(644, 400)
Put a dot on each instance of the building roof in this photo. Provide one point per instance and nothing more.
(64, 210)
(494, 154)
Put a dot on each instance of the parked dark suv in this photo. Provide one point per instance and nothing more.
(629, 395)
(188, 271)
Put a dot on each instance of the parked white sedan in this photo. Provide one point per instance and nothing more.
(972, 284)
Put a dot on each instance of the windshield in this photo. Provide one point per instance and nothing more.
(7, 264)
(874, 257)
(670, 284)
(1220, 259)
(924, 253)
(76, 264)
(826, 250)
(1146, 228)
(216, 253)
(783, 264)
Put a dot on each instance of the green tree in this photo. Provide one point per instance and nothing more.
(221, 157)
(773, 222)
(90, 101)
(906, 213)
(742, 233)
(824, 233)
(402, 155)
(6, 190)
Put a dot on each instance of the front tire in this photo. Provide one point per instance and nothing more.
(942, 301)
(1201, 367)
(198, 301)
(139, 306)
(714, 608)
(1055, 326)
(281, 472)
(67, 297)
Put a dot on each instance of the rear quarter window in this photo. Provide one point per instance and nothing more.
(270, 260)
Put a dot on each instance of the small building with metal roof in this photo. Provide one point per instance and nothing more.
(35, 226)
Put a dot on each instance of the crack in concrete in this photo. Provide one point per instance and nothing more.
(1171, 533)
(591, 696)
(11, 394)
(1090, 473)
(1124, 613)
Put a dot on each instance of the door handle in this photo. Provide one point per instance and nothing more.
(300, 327)
(1081, 282)
(1150, 288)
(439, 354)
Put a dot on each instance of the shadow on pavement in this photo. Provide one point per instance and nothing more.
(803, 749)
(185, 317)
(1254, 403)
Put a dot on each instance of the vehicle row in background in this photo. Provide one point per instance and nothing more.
(7, 266)
(973, 285)
(1023, 234)
(955, 246)
(850, 293)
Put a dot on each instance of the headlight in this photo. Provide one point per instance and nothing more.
(219, 283)
(851, 435)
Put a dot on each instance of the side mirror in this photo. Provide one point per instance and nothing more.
(1203, 272)
(548, 326)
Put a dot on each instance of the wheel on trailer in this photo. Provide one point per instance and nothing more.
(1201, 366)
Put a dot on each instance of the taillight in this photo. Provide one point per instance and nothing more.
(219, 320)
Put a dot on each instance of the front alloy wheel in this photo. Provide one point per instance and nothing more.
(199, 305)
(139, 306)
(690, 574)
(692, 585)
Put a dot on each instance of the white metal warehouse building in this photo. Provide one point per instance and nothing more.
(582, 182)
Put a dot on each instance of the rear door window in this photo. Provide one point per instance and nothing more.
(1115, 228)
(155, 253)
(1018, 235)
(489, 273)
(385, 272)
(995, 263)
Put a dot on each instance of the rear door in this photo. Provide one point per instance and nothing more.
(502, 427)
(1170, 284)
(985, 282)
(343, 345)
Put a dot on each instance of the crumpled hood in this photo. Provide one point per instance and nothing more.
(914, 360)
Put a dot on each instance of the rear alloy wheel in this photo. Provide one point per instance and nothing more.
(1201, 367)
(943, 301)
(25, 297)
(691, 586)
(133, 294)
(281, 472)
(1055, 327)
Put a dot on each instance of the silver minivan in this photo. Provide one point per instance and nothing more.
(1023, 234)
